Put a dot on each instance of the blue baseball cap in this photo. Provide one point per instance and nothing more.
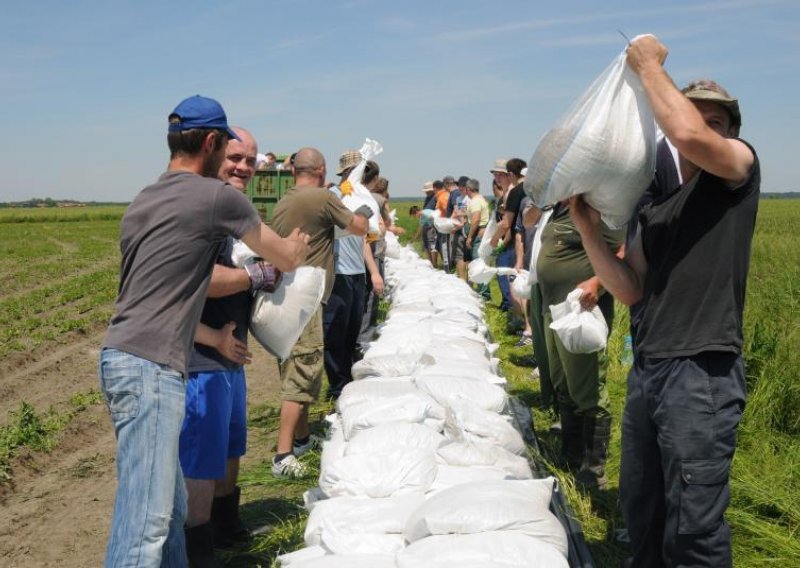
(199, 112)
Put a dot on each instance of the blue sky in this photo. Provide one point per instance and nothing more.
(445, 86)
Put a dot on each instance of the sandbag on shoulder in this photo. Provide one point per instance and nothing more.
(603, 147)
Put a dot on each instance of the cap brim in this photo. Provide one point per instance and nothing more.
(232, 135)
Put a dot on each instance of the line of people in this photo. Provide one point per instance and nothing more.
(171, 363)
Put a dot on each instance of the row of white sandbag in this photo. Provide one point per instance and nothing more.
(421, 448)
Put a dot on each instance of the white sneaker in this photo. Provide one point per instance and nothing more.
(289, 468)
(314, 443)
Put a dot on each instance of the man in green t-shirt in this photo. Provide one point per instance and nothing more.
(579, 379)
(310, 206)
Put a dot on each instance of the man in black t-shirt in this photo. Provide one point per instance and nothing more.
(688, 266)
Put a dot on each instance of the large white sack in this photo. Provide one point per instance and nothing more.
(416, 407)
(360, 195)
(393, 434)
(451, 391)
(448, 476)
(497, 549)
(485, 249)
(370, 389)
(510, 505)
(446, 225)
(393, 472)
(468, 423)
(399, 365)
(520, 286)
(333, 448)
(278, 318)
(604, 147)
(581, 331)
(341, 561)
(465, 371)
(334, 519)
(294, 559)
(477, 453)
(479, 272)
(340, 543)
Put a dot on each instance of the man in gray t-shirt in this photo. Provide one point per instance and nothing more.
(169, 239)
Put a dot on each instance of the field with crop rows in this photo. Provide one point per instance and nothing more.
(58, 279)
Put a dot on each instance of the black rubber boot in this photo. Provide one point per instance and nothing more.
(200, 547)
(596, 435)
(572, 442)
(229, 529)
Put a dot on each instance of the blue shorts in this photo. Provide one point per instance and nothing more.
(215, 426)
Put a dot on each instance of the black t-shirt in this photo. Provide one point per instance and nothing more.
(513, 202)
(697, 244)
(216, 313)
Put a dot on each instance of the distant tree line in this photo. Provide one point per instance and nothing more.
(47, 202)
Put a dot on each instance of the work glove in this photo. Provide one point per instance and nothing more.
(263, 276)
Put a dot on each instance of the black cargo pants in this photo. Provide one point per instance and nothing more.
(678, 439)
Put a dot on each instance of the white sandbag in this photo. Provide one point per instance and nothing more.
(520, 286)
(344, 561)
(604, 147)
(278, 318)
(371, 389)
(512, 505)
(294, 559)
(333, 448)
(581, 331)
(341, 543)
(536, 246)
(334, 519)
(392, 472)
(465, 371)
(485, 249)
(394, 434)
(496, 549)
(468, 423)
(450, 391)
(448, 476)
(477, 453)
(446, 225)
(387, 366)
(416, 408)
(479, 272)
(360, 195)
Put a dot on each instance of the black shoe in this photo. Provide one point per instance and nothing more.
(229, 529)
(200, 546)
(596, 434)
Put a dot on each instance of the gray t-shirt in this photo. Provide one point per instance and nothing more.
(170, 237)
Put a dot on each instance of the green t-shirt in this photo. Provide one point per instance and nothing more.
(562, 262)
(315, 211)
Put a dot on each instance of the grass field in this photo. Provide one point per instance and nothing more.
(58, 279)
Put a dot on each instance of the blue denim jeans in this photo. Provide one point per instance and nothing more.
(506, 259)
(146, 402)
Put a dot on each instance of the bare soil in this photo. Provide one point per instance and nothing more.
(57, 509)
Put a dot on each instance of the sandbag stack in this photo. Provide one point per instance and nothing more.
(424, 465)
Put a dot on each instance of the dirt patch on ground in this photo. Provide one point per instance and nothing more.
(57, 510)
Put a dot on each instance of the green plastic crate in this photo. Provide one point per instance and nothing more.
(266, 189)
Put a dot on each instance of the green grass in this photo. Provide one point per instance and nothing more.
(38, 431)
(61, 214)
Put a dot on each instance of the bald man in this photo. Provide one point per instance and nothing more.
(310, 206)
(214, 432)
